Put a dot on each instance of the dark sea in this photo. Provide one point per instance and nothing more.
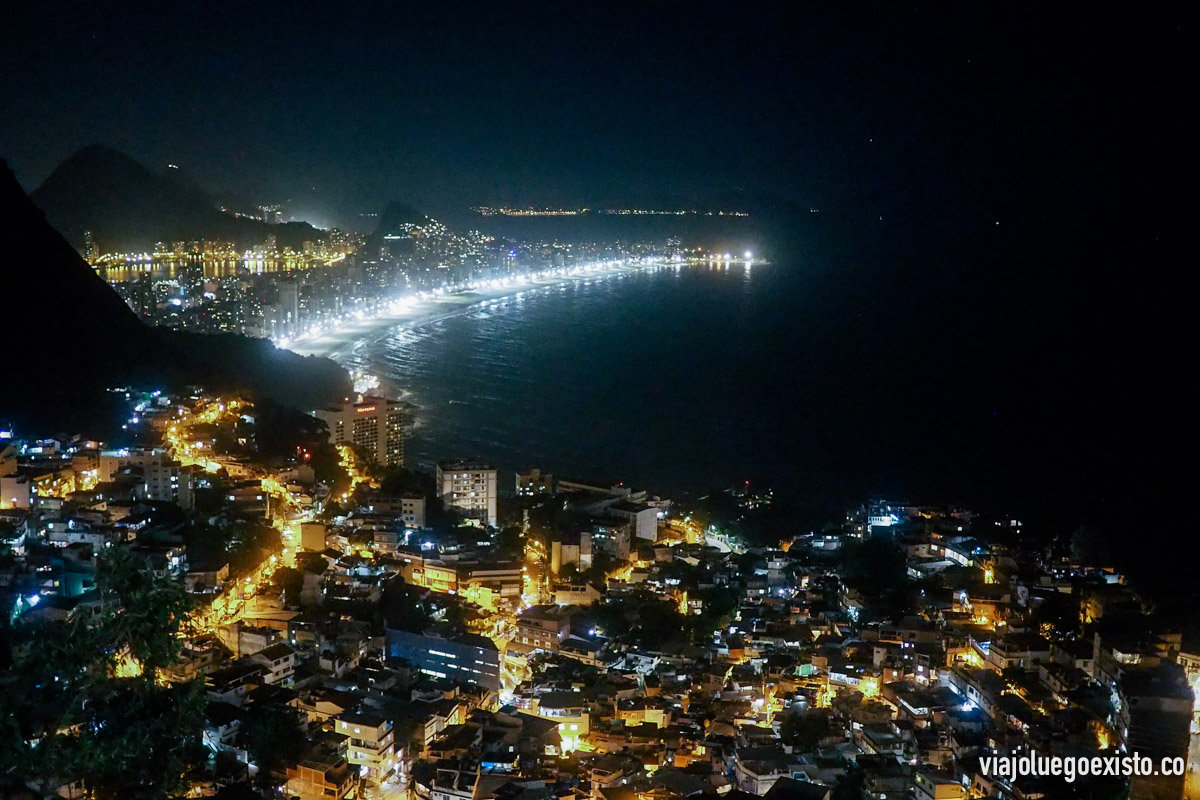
(672, 380)
(970, 363)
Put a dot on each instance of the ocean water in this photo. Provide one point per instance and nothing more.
(831, 378)
(676, 380)
(611, 379)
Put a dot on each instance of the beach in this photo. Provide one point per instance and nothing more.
(417, 309)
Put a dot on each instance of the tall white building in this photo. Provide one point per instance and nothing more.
(374, 424)
(162, 478)
(470, 487)
(288, 308)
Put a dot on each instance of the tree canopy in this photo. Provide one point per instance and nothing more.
(81, 700)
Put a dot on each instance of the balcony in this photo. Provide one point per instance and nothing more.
(375, 747)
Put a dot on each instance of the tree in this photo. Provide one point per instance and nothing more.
(81, 701)
(876, 568)
(283, 432)
(289, 583)
(511, 541)
(402, 608)
(602, 564)
(642, 619)
(805, 732)
(395, 481)
(687, 575)
(441, 517)
(274, 738)
(1057, 616)
(560, 671)
(248, 540)
(718, 605)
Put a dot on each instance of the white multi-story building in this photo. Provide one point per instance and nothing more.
(374, 424)
(470, 487)
(643, 516)
(162, 478)
(412, 510)
(370, 743)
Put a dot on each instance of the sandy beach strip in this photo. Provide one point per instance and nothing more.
(417, 312)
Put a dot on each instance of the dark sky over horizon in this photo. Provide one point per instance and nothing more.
(340, 107)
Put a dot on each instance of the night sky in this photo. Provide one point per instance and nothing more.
(871, 109)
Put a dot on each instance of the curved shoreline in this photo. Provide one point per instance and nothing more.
(420, 312)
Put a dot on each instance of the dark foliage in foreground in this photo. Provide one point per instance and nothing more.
(73, 708)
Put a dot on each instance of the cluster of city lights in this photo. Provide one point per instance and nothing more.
(410, 303)
(641, 212)
(506, 211)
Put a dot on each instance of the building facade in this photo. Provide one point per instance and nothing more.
(412, 510)
(370, 743)
(374, 424)
(466, 657)
(543, 627)
(163, 479)
(470, 487)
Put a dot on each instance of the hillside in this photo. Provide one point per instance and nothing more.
(397, 215)
(393, 222)
(129, 207)
(71, 337)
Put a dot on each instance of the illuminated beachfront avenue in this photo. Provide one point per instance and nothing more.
(296, 298)
(410, 309)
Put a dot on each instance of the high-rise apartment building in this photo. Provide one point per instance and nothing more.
(1156, 715)
(470, 487)
(373, 424)
(288, 308)
(162, 478)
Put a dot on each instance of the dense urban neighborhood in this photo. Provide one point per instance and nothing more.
(301, 614)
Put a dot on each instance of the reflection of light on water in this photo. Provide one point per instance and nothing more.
(397, 353)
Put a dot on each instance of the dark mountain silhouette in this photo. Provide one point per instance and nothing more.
(129, 207)
(71, 337)
(394, 221)
(393, 218)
